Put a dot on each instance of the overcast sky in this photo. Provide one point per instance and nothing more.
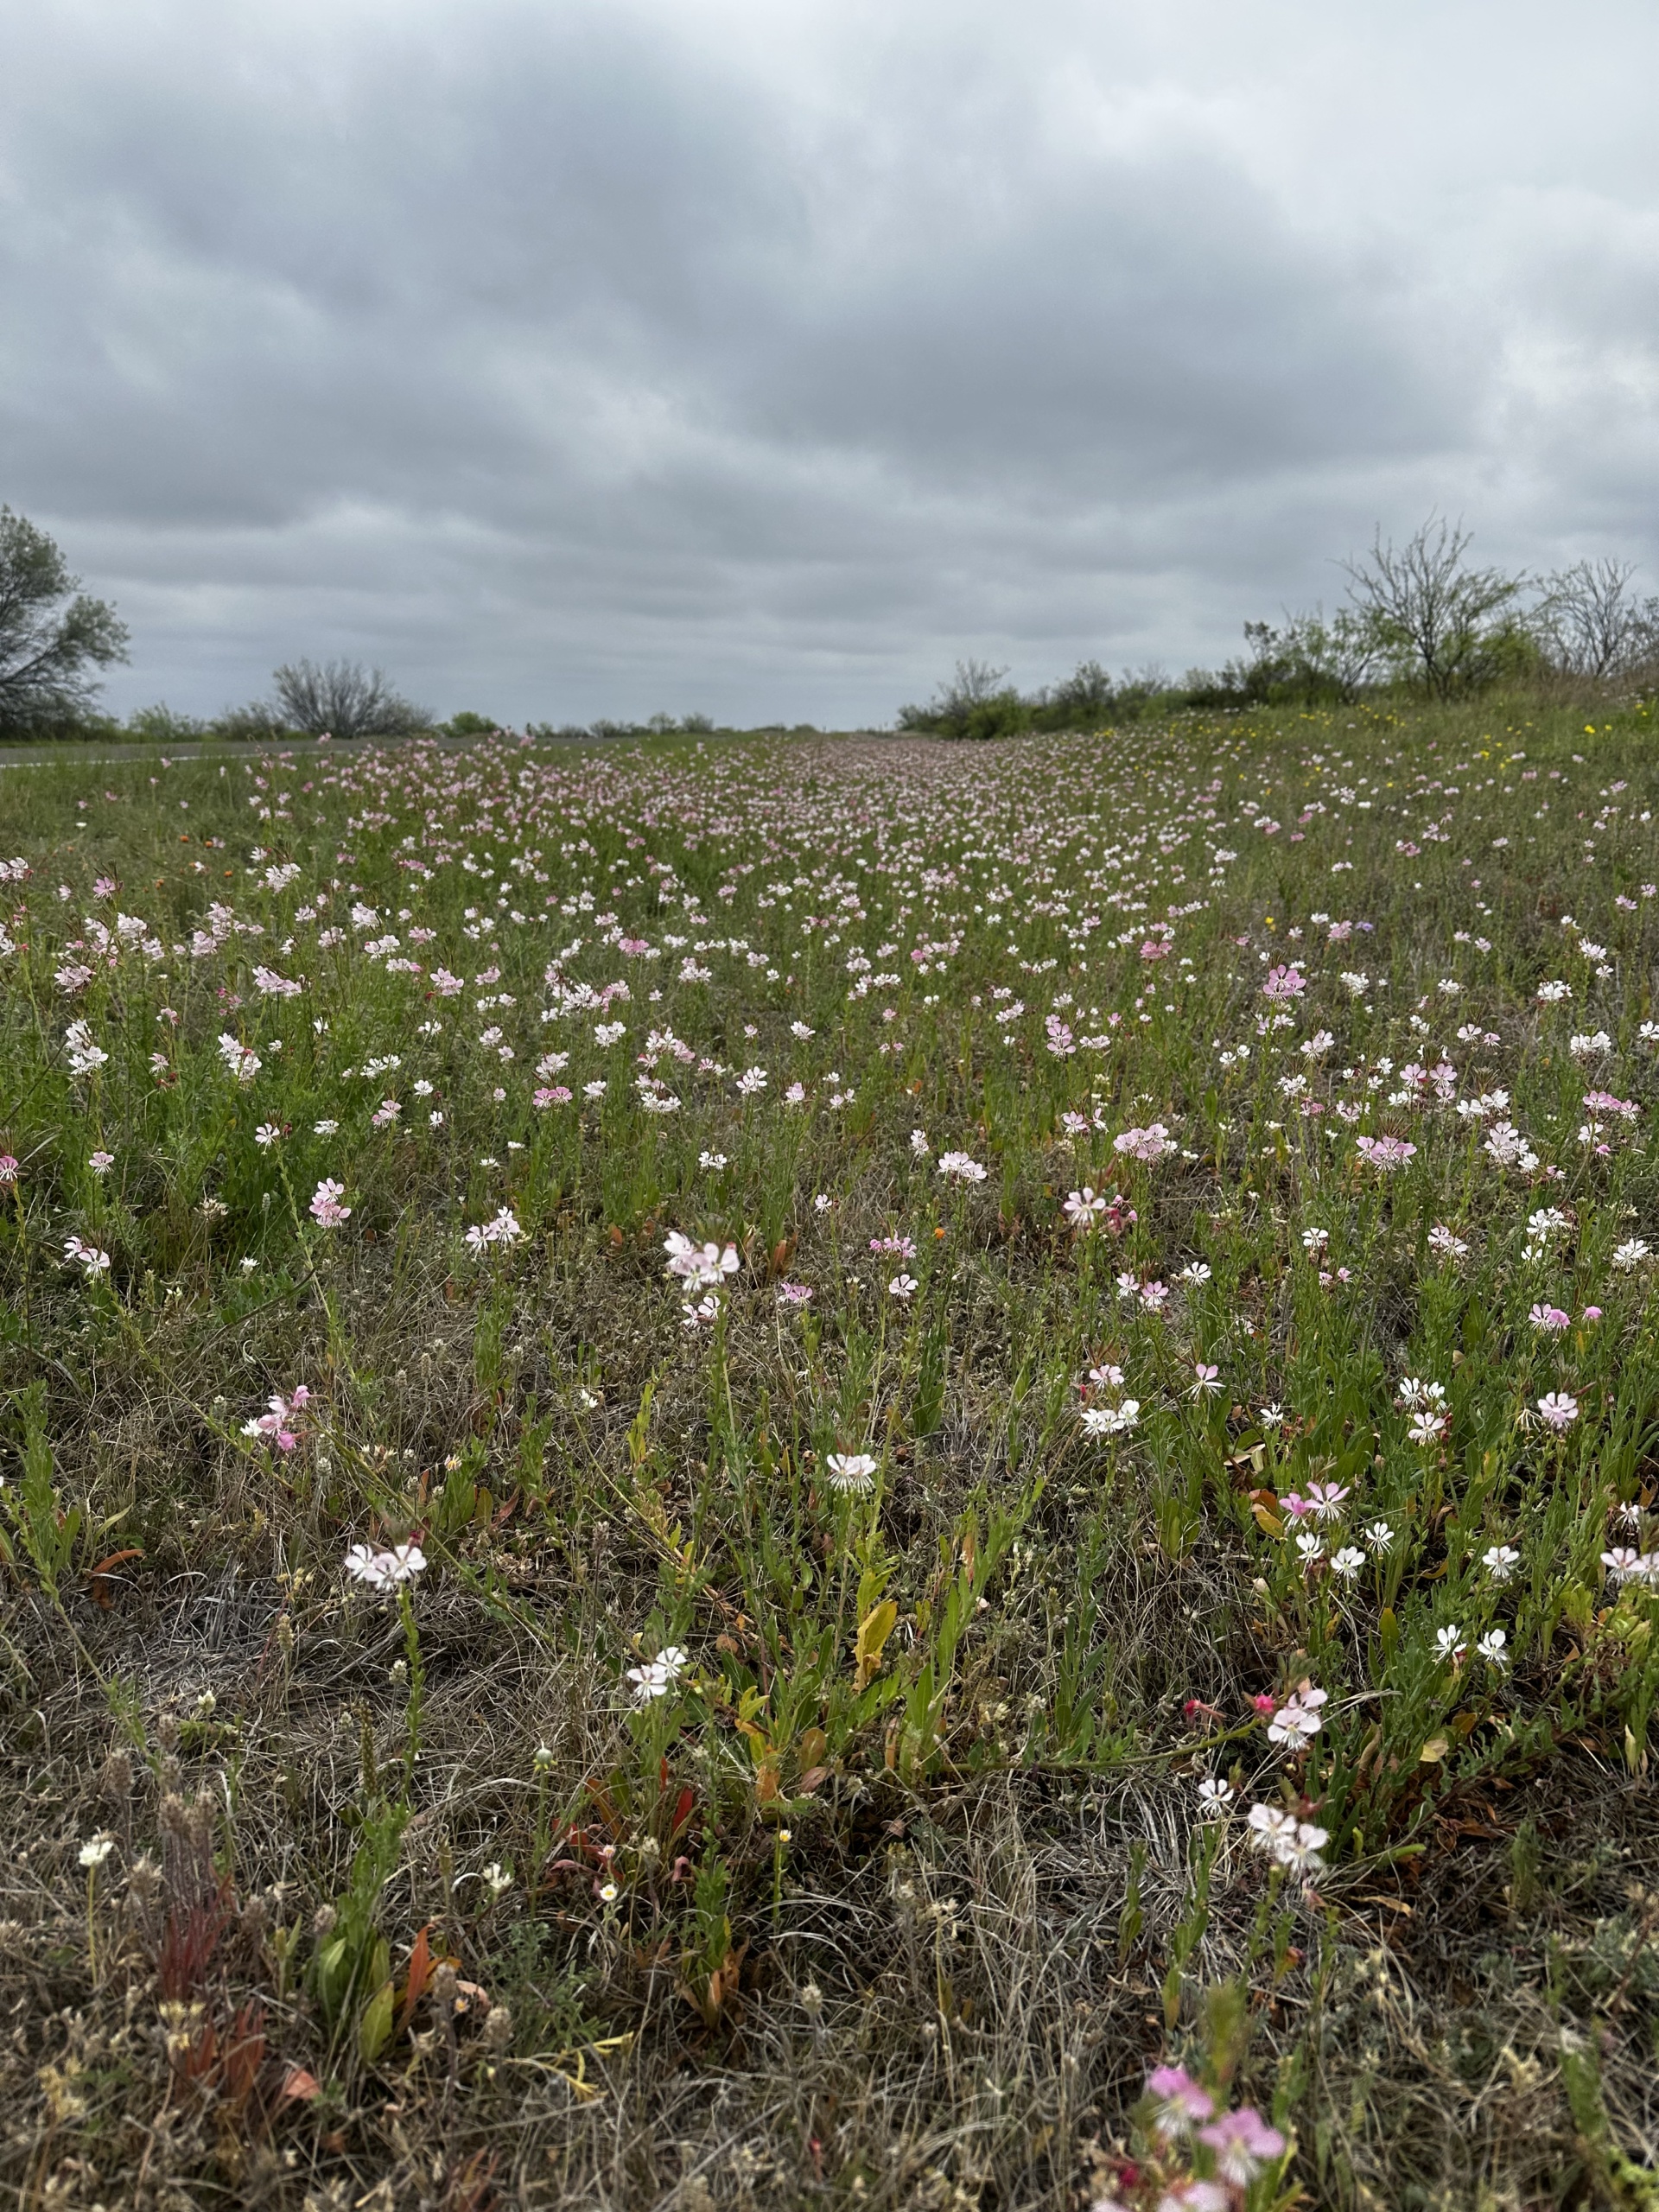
(762, 358)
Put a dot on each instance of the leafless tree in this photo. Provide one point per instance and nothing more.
(1437, 618)
(974, 684)
(1591, 624)
(346, 699)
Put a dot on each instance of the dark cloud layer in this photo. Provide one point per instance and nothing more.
(573, 360)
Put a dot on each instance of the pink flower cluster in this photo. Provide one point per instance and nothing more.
(503, 1228)
(1385, 1153)
(699, 1264)
(1150, 1144)
(278, 1425)
(326, 1209)
(1323, 1502)
(1090, 1209)
(1203, 2159)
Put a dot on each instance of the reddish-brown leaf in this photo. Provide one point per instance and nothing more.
(99, 1577)
(420, 1973)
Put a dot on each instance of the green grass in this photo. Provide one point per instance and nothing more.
(903, 1882)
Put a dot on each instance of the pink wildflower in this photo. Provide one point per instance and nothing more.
(504, 1228)
(385, 1569)
(702, 1264)
(1242, 2141)
(89, 1256)
(1081, 1206)
(1150, 1144)
(1385, 1152)
(326, 1209)
(1193, 2195)
(1297, 1722)
(277, 1424)
(1181, 2100)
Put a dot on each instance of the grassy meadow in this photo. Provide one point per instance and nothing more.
(786, 1472)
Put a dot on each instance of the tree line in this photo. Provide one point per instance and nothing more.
(56, 641)
(1421, 617)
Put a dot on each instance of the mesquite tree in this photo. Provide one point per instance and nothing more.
(52, 635)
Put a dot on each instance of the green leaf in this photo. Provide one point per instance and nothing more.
(873, 1632)
(374, 2029)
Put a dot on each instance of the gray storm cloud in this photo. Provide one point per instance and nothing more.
(591, 359)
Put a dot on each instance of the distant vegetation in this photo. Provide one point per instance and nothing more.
(1420, 620)
(339, 699)
(662, 725)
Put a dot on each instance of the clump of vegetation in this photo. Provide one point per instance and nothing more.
(342, 699)
(339, 699)
(805, 1473)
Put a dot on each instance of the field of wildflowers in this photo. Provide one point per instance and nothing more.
(782, 1472)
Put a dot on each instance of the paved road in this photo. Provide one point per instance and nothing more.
(225, 748)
